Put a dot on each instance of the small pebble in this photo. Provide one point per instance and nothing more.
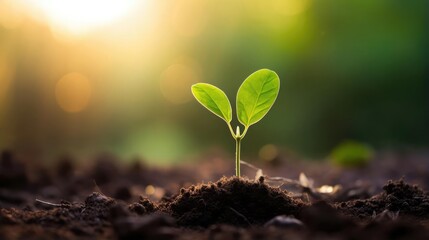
(284, 221)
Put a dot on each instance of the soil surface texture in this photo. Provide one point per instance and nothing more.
(132, 201)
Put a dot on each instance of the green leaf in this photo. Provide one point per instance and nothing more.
(213, 99)
(256, 96)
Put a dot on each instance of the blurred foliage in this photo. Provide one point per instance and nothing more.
(353, 69)
(351, 154)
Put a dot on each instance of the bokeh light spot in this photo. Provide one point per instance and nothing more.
(326, 189)
(176, 83)
(73, 92)
(268, 152)
(149, 190)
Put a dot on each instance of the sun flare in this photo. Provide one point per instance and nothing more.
(79, 16)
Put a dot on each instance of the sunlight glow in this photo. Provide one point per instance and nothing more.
(10, 14)
(189, 17)
(80, 16)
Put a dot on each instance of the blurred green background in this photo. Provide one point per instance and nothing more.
(84, 77)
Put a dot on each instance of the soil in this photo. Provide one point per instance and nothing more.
(132, 201)
(233, 201)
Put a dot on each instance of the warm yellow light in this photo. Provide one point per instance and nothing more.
(176, 81)
(73, 92)
(150, 190)
(80, 16)
(189, 17)
(326, 189)
(10, 14)
(329, 189)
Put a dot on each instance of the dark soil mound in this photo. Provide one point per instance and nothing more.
(143, 206)
(230, 201)
(398, 197)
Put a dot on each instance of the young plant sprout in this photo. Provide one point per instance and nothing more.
(255, 97)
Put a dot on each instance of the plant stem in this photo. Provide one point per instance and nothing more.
(244, 132)
(237, 155)
(230, 129)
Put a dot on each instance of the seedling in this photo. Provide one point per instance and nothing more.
(255, 97)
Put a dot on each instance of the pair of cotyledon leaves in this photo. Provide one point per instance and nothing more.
(255, 97)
